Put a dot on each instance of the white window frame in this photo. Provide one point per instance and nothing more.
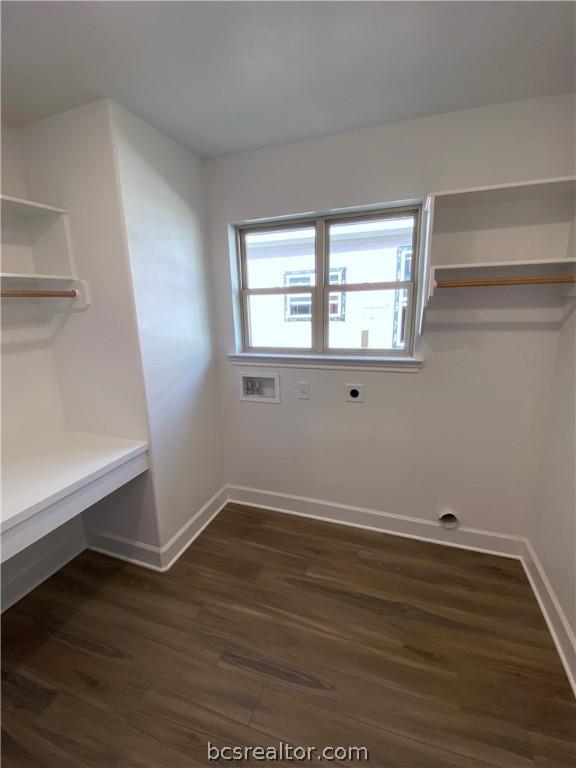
(321, 291)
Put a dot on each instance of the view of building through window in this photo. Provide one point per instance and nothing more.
(369, 274)
(298, 308)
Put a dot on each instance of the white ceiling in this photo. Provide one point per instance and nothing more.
(224, 77)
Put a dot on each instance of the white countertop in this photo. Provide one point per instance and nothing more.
(40, 471)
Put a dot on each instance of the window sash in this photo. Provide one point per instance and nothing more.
(320, 292)
(391, 351)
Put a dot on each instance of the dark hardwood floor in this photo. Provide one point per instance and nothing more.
(272, 627)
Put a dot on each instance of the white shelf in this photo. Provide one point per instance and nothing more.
(35, 239)
(567, 264)
(501, 269)
(508, 193)
(15, 210)
(30, 277)
(47, 480)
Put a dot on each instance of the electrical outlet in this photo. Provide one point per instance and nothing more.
(354, 393)
(304, 390)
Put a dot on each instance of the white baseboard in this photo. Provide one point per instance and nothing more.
(383, 522)
(181, 540)
(560, 629)
(160, 558)
(499, 544)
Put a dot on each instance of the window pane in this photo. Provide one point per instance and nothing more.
(276, 258)
(372, 320)
(376, 251)
(283, 320)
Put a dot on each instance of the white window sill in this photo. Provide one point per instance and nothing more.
(328, 362)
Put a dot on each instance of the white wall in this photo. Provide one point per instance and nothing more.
(69, 162)
(142, 355)
(163, 203)
(465, 432)
(139, 362)
(552, 526)
(13, 180)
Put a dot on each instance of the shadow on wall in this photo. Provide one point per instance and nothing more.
(137, 521)
(483, 310)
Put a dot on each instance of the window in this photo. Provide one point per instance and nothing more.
(332, 284)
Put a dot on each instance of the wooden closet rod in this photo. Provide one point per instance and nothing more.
(528, 280)
(23, 294)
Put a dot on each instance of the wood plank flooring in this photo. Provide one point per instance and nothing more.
(275, 628)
